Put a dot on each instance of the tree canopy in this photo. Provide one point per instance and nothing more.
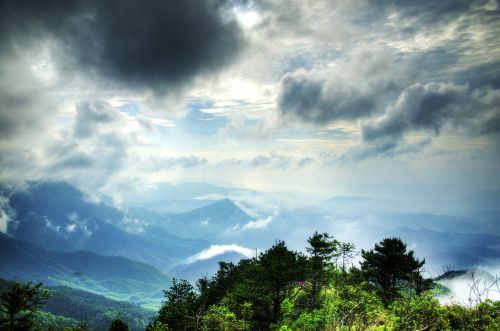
(19, 303)
(392, 269)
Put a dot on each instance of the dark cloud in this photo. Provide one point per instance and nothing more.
(269, 160)
(414, 17)
(434, 107)
(24, 105)
(429, 12)
(459, 39)
(19, 113)
(352, 89)
(152, 45)
(386, 148)
(308, 99)
(451, 41)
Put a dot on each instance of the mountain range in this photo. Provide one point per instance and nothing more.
(57, 216)
(70, 308)
(113, 276)
(61, 235)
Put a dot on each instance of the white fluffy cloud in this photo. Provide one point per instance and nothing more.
(215, 250)
(260, 223)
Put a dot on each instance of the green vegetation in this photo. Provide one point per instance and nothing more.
(118, 325)
(279, 289)
(115, 277)
(19, 303)
(393, 270)
(77, 309)
(285, 290)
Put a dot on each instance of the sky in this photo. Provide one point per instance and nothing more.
(322, 98)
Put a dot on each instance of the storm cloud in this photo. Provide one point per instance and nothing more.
(156, 46)
(350, 90)
(434, 107)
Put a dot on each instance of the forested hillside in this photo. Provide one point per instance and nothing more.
(281, 289)
(67, 308)
(115, 277)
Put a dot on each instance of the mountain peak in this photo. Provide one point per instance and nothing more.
(222, 209)
(227, 203)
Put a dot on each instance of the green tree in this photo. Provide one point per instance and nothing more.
(180, 308)
(220, 318)
(280, 270)
(349, 306)
(82, 325)
(391, 269)
(484, 316)
(249, 295)
(157, 326)
(118, 325)
(214, 289)
(346, 252)
(422, 312)
(20, 302)
(322, 248)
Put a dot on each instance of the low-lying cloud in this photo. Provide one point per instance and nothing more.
(471, 288)
(4, 215)
(215, 250)
(260, 223)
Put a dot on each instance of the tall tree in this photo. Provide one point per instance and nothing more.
(213, 290)
(391, 269)
(280, 270)
(346, 251)
(180, 308)
(322, 248)
(20, 302)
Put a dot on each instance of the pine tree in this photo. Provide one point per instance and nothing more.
(280, 270)
(20, 302)
(391, 269)
(322, 248)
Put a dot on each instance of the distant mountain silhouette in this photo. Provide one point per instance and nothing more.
(209, 221)
(57, 216)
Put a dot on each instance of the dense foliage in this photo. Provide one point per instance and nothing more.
(279, 289)
(393, 270)
(285, 290)
(19, 303)
(69, 308)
